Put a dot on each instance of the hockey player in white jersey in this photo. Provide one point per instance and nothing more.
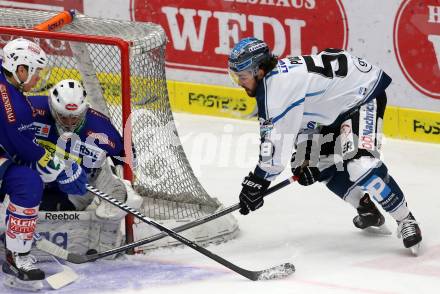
(334, 94)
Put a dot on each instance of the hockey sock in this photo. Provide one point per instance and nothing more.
(20, 226)
(385, 191)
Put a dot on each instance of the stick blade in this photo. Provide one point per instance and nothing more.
(62, 279)
(277, 272)
(78, 259)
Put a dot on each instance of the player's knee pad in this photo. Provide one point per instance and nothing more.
(23, 185)
(359, 167)
(383, 188)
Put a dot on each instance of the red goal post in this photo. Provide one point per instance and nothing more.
(125, 86)
(122, 66)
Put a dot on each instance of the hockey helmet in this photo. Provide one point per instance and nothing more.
(68, 105)
(247, 56)
(24, 52)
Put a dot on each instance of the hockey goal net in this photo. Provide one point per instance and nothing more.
(122, 66)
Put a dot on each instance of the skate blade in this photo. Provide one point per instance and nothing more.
(415, 250)
(381, 230)
(15, 283)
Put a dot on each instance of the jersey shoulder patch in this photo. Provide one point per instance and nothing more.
(7, 105)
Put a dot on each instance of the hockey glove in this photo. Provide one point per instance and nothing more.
(307, 175)
(72, 180)
(251, 197)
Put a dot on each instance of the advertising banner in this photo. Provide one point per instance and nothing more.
(417, 44)
(202, 33)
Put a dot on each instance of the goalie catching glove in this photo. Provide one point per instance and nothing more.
(251, 195)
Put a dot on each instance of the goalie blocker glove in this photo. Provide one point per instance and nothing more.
(251, 195)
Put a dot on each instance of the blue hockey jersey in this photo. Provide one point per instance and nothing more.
(17, 139)
(92, 142)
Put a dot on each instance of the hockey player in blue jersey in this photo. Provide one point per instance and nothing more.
(332, 94)
(66, 125)
(25, 165)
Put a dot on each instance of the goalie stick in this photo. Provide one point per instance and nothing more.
(275, 272)
(62, 253)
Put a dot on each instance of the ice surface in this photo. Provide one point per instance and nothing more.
(308, 226)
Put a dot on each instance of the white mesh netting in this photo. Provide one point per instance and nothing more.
(163, 176)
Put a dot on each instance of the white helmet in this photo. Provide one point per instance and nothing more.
(68, 104)
(23, 52)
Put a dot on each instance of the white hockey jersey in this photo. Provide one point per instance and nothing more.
(304, 92)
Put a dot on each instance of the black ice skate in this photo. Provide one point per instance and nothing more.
(409, 230)
(21, 271)
(369, 217)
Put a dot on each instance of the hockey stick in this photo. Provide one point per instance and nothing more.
(56, 250)
(276, 272)
(67, 275)
(63, 278)
(80, 258)
(64, 254)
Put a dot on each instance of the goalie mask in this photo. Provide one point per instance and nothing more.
(24, 52)
(246, 58)
(68, 104)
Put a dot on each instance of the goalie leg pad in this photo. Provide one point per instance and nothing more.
(68, 229)
(107, 210)
(134, 200)
(119, 189)
(106, 235)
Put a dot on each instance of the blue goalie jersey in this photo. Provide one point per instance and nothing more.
(91, 143)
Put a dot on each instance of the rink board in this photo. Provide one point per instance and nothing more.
(402, 123)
